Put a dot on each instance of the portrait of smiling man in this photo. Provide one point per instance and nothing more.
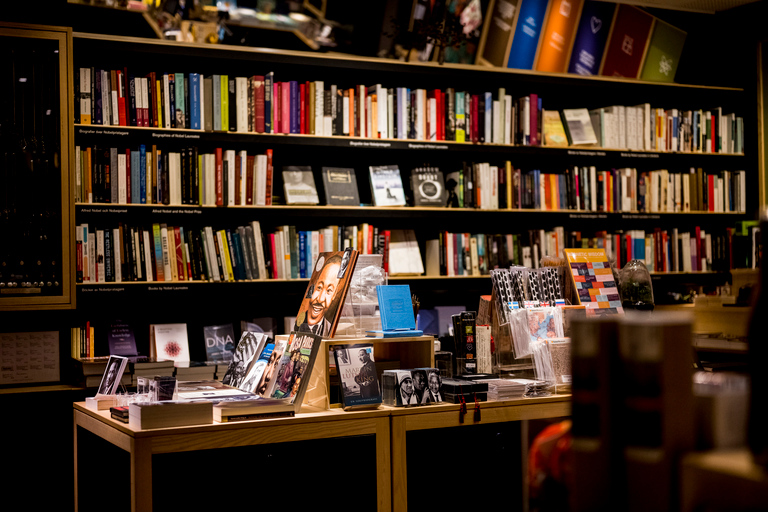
(323, 301)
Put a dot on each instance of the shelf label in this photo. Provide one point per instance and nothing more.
(101, 289)
(586, 153)
(97, 209)
(188, 211)
(175, 135)
(167, 288)
(369, 144)
(101, 131)
(640, 216)
(588, 216)
(639, 155)
(427, 146)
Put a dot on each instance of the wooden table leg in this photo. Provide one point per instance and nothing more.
(74, 433)
(141, 475)
(399, 466)
(383, 466)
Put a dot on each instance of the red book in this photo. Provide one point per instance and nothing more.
(711, 192)
(534, 122)
(369, 249)
(219, 178)
(626, 45)
(268, 199)
(352, 115)
(79, 256)
(121, 78)
(285, 117)
(88, 339)
(473, 133)
(440, 114)
(151, 96)
(387, 234)
(128, 176)
(303, 108)
(307, 122)
(250, 161)
(666, 252)
(258, 103)
(273, 251)
(179, 255)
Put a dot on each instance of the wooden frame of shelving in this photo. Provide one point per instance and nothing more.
(66, 300)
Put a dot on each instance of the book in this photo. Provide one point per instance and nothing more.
(387, 186)
(499, 30)
(149, 415)
(266, 384)
(246, 354)
(299, 185)
(627, 42)
(321, 307)
(552, 130)
(404, 253)
(293, 376)
(428, 187)
(340, 185)
(121, 339)
(593, 280)
(525, 42)
(664, 50)
(557, 35)
(169, 341)
(219, 342)
(251, 409)
(208, 389)
(356, 368)
(255, 371)
(395, 307)
(113, 375)
(578, 127)
(591, 37)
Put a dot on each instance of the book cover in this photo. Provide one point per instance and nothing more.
(170, 342)
(387, 186)
(578, 126)
(498, 33)
(591, 36)
(299, 185)
(357, 374)
(664, 50)
(428, 187)
(255, 370)
(525, 42)
(553, 131)
(113, 374)
(121, 339)
(340, 186)
(246, 354)
(219, 342)
(321, 307)
(627, 43)
(266, 385)
(395, 307)
(593, 280)
(558, 35)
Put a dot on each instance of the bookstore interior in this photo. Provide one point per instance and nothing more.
(517, 238)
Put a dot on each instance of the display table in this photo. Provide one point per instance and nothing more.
(388, 425)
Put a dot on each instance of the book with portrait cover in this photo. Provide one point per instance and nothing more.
(387, 186)
(357, 374)
(299, 185)
(219, 342)
(246, 354)
(340, 186)
(294, 377)
(256, 370)
(112, 375)
(169, 341)
(321, 307)
(266, 384)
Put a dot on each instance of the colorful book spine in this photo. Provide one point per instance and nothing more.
(194, 100)
(591, 37)
(557, 36)
(627, 42)
(527, 33)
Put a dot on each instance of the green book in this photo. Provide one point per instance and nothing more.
(663, 54)
(224, 102)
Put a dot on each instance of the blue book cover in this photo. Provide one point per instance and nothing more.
(294, 126)
(489, 120)
(591, 37)
(180, 113)
(526, 40)
(269, 81)
(302, 254)
(395, 307)
(194, 100)
(142, 174)
(217, 102)
(238, 245)
(459, 252)
(135, 177)
(638, 248)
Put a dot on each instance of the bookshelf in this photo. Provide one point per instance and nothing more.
(144, 56)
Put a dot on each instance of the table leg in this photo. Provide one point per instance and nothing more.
(399, 466)
(141, 475)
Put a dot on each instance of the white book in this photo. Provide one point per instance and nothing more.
(116, 258)
(579, 126)
(106, 118)
(631, 127)
(449, 256)
(401, 101)
(404, 253)
(122, 186)
(362, 93)
(507, 124)
(212, 254)
(229, 157)
(314, 247)
(390, 114)
(381, 104)
(170, 342)
(527, 120)
(685, 243)
(420, 113)
(260, 181)
(99, 256)
(286, 240)
(174, 178)
(686, 190)
(319, 98)
(593, 188)
(167, 273)
(432, 119)
(241, 95)
(345, 115)
(497, 124)
(369, 118)
(644, 122)
(147, 256)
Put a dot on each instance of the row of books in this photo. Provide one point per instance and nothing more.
(581, 37)
(149, 175)
(261, 105)
(164, 252)
(485, 186)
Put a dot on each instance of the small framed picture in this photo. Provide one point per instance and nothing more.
(113, 374)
